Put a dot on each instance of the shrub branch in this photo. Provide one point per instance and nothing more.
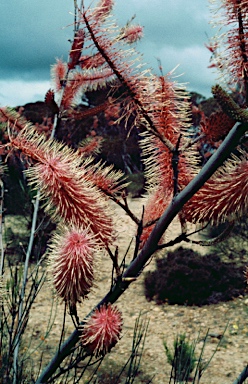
(151, 246)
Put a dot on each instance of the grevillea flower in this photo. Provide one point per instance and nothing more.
(170, 118)
(50, 101)
(216, 126)
(88, 80)
(90, 146)
(69, 192)
(106, 39)
(132, 33)
(13, 119)
(102, 10)
(76, 49)
(58, 74)
(232, 59)
(106, 178)
(88, 62)
(232, 5)
(157, 203)
(72, 252)
(102, 330)
(223, 197)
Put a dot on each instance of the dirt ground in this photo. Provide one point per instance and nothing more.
(165, 321)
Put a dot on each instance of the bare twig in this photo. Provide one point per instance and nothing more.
(1, 229)
(139, 233)
(174, 163)
(223, 235)
(124, 206)
(25, 274)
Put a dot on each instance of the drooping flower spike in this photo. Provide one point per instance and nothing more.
(102, 330)
(89, 62)
(79, 82)
(67, 189)
(13, 119)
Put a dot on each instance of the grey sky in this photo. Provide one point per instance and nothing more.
(33, 34)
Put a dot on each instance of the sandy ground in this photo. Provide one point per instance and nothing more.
(165, 321)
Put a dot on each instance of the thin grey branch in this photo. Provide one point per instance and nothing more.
(242, 377)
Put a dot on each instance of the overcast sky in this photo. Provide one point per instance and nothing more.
(34, 33)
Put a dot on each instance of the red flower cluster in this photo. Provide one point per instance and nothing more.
(102, 330)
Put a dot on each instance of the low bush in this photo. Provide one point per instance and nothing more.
(186, 277)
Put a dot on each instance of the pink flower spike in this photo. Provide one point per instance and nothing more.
(133, 33)
(103, 9)
(69, 193)
(71, 256)
(58, 74)
(76, 49)
(102, 330)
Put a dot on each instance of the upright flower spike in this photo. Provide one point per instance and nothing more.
(138, 85)
(232, 61)
(115, 53)
(71, 255)
(50, 102)
(171, 119)
(76, 49)
(102, 330)
(58, 74)
(69, 192)
(103, 9)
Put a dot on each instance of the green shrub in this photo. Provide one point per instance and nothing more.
(182, 358)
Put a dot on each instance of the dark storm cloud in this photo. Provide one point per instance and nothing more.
(32, 36)
(173, 22)
(34, 33)
(175, 33)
